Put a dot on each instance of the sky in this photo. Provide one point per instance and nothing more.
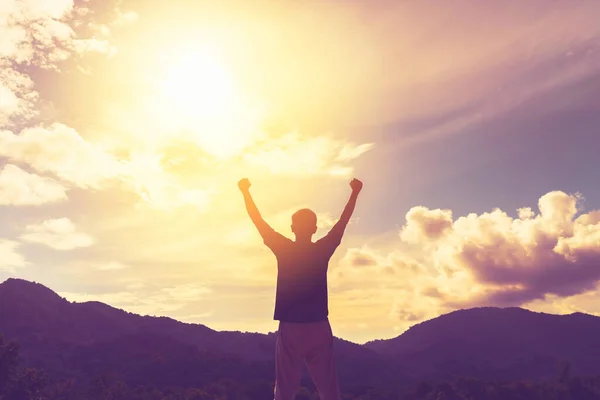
(125, 126)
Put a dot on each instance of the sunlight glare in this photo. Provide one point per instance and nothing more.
(198, 84)
(198, 95)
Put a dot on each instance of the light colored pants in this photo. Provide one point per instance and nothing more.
(310, 344)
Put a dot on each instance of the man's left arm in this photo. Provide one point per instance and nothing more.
(334, 237)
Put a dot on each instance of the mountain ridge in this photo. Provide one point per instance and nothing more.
(487, 342)
(108, 322)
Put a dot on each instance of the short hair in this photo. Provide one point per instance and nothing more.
(304, 217)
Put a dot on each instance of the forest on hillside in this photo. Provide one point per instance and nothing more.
(18, 382)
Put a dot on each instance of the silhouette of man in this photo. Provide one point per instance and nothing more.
(304, 335)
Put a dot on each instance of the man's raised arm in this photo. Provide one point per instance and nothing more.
(263, 228)
(338, 229)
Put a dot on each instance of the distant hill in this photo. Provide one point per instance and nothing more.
(68, 337)
(30, 309)
(79, 339)
(500, 343)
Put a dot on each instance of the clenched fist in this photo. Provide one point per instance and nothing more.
(356, 185)
(244, 184)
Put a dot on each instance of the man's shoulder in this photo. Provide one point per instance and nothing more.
(333, 238)
(276, 240)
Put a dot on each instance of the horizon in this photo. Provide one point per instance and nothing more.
(125, 126)
(272, 332)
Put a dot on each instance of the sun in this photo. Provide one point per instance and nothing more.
(199, 84)
(199, 95)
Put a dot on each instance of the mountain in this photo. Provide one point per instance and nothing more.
(82, 339)
(30, 309)
(71, 338)
(499, 343)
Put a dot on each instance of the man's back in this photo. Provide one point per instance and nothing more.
(301, 277)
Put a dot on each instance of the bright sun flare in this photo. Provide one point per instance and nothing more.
(198, 95)
(199, 84)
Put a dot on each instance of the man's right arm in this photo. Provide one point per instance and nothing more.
(270, 237)
(257, 219)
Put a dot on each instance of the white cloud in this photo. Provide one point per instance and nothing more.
(36, 9)
(548, 261)
(9, 102)
(124, 18)
(18, 187)
(112, 266)
(59, 234)
(146, 176)
(39, 31)
(147, 301)
(103, 46)
(36, 32)
(17, 97)
(10, 259)
(349, 152)
(422, 222)
(60, 150)
(102, 29)
(297, 155)
(187, 292)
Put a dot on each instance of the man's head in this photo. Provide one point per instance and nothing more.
(304, 223)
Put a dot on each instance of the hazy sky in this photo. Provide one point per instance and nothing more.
(475, 126)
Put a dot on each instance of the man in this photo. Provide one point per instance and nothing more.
(304, 335)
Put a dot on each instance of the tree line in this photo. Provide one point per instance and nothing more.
(19, 382)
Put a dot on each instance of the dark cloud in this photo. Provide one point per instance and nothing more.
(432, 292)
(408, 315)
(362, 260)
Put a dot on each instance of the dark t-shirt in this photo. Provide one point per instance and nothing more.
(302, 276)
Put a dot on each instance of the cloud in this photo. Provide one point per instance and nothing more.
(37, 32)
(63, 152)
(518, 260)
(545, 259)
(365, 269)
(36, 9)
(34, 32)
(10, 259)
(17, 97)
(358, 258)
(425, 223)
(146, 175)
(148, 301)
(349, 152)
(21, 188)
(187, 292)
(42, 33)
(59, 234)
(60, 150)
(197, 318)
(124, 18)
(112, 266)
(118, 18)
(101, 46)
(297, 155)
